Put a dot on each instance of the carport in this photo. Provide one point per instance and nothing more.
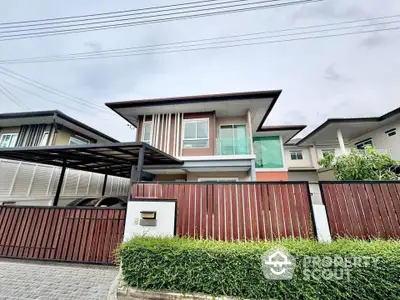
(118, 159)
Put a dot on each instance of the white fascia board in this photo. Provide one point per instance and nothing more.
(217, 157)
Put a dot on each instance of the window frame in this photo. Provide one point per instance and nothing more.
(186, 121)
(151, 132)
(79, 138)
(391, 132)
(233, 138)
(12, 134)
(326, 151)
(363, 144)
(41, 140)
(296, 152)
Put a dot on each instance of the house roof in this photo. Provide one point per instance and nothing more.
(46, 117)
(351, 128)
(287, 132)
(260, 104)
(111, 158)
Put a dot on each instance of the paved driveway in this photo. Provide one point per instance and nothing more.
(27, 280)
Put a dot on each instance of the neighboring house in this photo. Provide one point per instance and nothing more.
(35, 184)
(337, 136)
(218, 137)
(46, 128)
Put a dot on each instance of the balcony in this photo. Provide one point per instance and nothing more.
(230, 146)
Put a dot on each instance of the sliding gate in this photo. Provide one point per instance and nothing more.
(86, 235)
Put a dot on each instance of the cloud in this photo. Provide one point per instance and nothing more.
(314, 88)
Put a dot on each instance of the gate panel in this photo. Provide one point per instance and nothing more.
(236, 211)
(87, 235)
(363, 209)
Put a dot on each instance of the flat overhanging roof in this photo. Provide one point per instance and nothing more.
(287, 132)
(351, 128)
(259, 103)
(111, 158)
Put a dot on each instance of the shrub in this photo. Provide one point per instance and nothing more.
(234, 269)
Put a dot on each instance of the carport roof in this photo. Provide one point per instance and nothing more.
(111, 159)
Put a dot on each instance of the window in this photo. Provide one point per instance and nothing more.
(147, 132)
(43, 141)
(218, 179)
(8, 140)
(232, 140)
(296, 155)
(77, 140)
(391, 132)
(195, 133)
(325, 152)
(363, 144)
(268, 151)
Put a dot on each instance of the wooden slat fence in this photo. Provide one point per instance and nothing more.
(87, 235)
(364, 210)
(236, 211)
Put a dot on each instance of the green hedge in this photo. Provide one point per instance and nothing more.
(234, 269)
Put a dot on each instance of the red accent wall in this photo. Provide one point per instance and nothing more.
(272, 176)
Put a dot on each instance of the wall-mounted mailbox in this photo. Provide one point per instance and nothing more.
(148, 218)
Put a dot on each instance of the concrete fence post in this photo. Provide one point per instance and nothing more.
(320, 215)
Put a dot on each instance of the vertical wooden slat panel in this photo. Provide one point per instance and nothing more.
(260, 215)
(215, 215)
(100, 236)
(344, 211)
(25, 236)
(10, 232)
(281, 211)
(332, 219)
(394, 222)
(241, 214)
(197, 212)
(353, 213)
(287, 211)
(59, 243)
(253, 212)
(382, 210)
(221, 209)
(235, 212)
(203, 209)
(18, 232)
(306, 210)
(381, 231)
(107, 236)
(365, 203)
(37, 231)
(228, 212)
(210, 211)
(358, 203)
(85, 231)
(79, 232)
(266, 212)
(248, 226)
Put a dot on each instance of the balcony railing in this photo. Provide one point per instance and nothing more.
(228, 146)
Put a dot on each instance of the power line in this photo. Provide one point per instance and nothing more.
(14, 99)
(119, 14)
(93, 28)
(187, 48)
(51, 90)
(96, 53)
(107, 13)
(39, 96)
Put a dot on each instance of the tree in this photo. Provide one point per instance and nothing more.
(366, 164)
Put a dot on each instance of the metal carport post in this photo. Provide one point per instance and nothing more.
(60, 183)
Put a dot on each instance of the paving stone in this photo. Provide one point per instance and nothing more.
(28, 280)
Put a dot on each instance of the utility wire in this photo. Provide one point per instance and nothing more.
(14, 99)
(133, 12)
(95, 53)
(209, 45)
(93, 28)
(51, 90)
(107, 13)
(39, 96)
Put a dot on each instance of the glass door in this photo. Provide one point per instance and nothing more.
(233, 140)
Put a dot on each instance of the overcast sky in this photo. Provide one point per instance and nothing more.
(337, 77)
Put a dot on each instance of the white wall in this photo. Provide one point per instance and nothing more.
(34, 184)
(165, 219)
(306, 162)
(381, 140)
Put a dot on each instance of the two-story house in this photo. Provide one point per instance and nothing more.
(218, 137)
(35, 184)
(46, 128)
(337, 136)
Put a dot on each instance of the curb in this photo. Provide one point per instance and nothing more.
(135, 294)
(113, 291)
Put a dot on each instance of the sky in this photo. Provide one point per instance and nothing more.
(350, 76)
